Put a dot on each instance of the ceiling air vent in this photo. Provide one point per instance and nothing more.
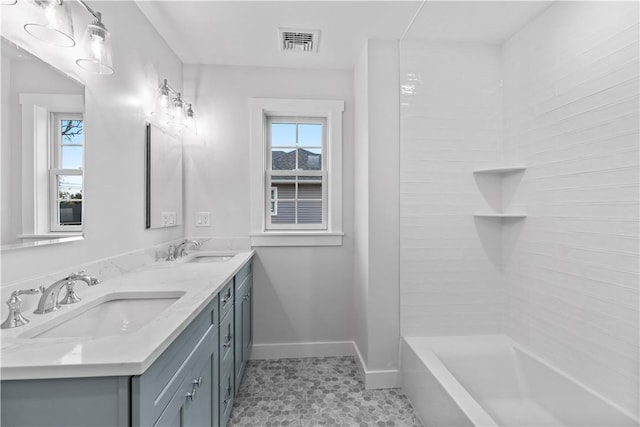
(298, 40)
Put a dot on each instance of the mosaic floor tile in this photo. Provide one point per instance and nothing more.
(323, 391)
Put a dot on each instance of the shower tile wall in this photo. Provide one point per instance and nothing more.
(571, 114)
(450, 123)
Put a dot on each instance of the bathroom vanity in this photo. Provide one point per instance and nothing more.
(182, 368)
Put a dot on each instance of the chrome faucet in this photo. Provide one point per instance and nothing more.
(182, 247)
(49, 299)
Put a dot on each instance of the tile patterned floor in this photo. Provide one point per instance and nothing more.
(326, 391)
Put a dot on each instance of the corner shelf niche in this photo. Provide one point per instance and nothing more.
(498, 228)
(501, 170)
(500, 215)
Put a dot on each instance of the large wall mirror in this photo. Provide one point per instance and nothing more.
(42, 152)
(163, 178)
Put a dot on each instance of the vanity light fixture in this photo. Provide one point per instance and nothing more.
(171, 108)
(57, 28)
(96, 47)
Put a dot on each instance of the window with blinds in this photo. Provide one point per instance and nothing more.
(296, 175)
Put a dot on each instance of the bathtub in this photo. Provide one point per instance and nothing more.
(489, 380)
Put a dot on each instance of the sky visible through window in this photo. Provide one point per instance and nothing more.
(71, 156)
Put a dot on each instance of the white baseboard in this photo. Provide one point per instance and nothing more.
(377, 379)
(372, 379)
(303, 349)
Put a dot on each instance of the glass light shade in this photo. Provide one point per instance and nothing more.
(96, 47)
(8, 2)
(56, 27)
(190, 120)
(179, 116)
(162, 105)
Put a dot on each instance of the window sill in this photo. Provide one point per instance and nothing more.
(296, 238)
(52, 235)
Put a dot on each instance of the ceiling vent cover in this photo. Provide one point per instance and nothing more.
(298, 40)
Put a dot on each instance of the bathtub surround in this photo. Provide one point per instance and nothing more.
(561, 98)
(571, 114)
(451, 124)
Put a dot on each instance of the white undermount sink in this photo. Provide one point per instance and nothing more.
(207, 257)
(114, 314)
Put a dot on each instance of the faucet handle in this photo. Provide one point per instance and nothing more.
(76, 274)
(15, 317)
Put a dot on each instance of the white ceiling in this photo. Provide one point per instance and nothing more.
(246, 32)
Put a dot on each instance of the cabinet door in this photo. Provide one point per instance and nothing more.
(191, 406)
(198, 411)
(226, 391)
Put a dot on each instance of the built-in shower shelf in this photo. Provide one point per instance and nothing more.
(501, 170)
(500, 215)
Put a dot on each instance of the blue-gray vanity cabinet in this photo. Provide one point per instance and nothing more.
(181, 387)
(65, 402)
(243, 321)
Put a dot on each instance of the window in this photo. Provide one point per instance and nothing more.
(65, 173)
(295, 147)
(52, 167)
(296, 172)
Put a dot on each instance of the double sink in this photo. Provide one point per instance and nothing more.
(118, 313)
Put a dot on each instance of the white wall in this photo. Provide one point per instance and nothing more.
(450, 123)
(302, 294)
(115, 134)
(361, 204)
(571, 114)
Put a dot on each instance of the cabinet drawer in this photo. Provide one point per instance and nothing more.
(226, 339)
(226, 299)
(243, 273)
(153, 390)
(226, 390)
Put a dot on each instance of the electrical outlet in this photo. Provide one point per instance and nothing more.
(202, 219)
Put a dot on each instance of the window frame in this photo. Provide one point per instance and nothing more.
(261, 109)
(37, 157)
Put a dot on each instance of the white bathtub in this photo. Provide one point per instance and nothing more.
(490, 380)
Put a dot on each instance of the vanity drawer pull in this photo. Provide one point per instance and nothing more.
(227, 343)
(227, 297)
(194, 390)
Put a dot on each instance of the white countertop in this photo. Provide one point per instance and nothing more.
(126, 354)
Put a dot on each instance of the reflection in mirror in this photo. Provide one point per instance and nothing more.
(163, 178)
(42, 152)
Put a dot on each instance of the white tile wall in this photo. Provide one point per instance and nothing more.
(571, 114)
(450, 123)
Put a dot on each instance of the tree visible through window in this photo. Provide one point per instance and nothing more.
(296, 175)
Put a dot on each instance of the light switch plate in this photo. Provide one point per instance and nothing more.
(202, 219)
(168, 219)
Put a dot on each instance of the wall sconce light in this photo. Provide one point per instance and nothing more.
(57, 29)
(171, 108)
(96, 47)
